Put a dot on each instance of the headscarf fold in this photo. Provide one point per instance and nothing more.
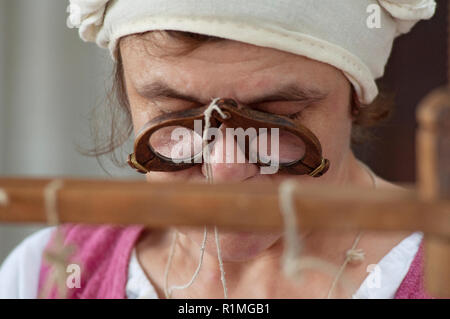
(329, 31)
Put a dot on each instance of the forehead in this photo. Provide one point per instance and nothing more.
(222, 63)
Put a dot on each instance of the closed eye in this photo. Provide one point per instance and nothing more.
(291, 109)
(172, 105)
(296, 115)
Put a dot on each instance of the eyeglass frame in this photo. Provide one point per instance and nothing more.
(144, 159)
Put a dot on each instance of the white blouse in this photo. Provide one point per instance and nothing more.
(19, 274)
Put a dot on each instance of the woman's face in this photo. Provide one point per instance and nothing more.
(318, 93)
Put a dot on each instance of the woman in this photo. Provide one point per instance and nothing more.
(313, 62)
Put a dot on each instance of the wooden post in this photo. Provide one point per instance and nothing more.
(433, 172)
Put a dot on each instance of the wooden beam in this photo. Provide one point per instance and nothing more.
(245, 206)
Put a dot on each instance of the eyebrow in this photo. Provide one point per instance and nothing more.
(289, 92)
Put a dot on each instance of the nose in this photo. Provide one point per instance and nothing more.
(228, 162)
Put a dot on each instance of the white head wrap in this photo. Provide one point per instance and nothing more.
(330, 31)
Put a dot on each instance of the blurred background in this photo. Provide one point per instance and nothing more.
(50, 81)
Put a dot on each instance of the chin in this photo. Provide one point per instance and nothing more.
(235, 246)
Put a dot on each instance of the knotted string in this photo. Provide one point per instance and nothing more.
(208, 113)
(352, 255)
(209, 177)
(58, 255)
(293, 263)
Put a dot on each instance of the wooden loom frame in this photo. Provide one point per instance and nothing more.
(425, 206)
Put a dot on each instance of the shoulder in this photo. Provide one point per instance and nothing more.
(397, 249)
(385, 184)
(19, 273)
(387, 275)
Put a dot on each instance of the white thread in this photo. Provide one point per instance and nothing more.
(209, 176)
(4, 199)
(208, 113)
(351, 255)
(371, 174)
(292, 241)
(50, 193)
(169, 263)
(292, 263)
(59, 255)
(168, 291)
(355, 254)
(219, 257)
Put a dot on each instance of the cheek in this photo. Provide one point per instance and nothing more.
(140, 115)
(336, 128)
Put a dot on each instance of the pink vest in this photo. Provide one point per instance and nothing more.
(104, 253)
